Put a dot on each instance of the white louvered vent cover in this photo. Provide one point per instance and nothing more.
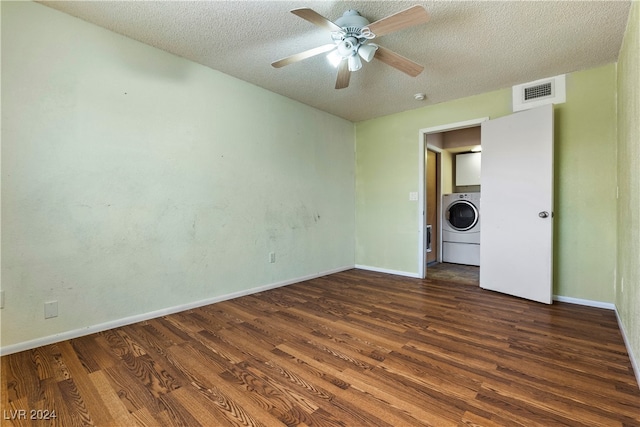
(540, 92)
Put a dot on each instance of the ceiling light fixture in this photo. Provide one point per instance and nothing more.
(334, 58)
(367, 51)
(354, 63)
(351, 34)
(420, 96)
(350, 41)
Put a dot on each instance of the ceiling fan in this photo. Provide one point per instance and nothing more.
(352, 34)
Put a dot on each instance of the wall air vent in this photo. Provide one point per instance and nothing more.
(539, 92)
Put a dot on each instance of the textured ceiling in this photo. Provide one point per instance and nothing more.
(466, 48)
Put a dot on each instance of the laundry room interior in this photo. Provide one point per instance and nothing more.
(452, 199)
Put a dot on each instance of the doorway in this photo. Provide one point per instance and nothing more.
(430, 141)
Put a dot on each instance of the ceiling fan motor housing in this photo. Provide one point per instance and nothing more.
(351, 37)
(351, 22)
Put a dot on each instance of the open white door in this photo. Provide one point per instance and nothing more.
(516, 207)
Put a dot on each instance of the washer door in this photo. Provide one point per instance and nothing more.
(462, 215)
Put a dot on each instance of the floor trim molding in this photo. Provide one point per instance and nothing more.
(51, 339)
(587, 302)
(609, 306)
(387, 271)
(75, 333)
(627, 344)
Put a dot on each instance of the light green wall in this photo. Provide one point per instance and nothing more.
(628, 300)
(387, 151)
(134, 180)
(387, 164)
(585, 187)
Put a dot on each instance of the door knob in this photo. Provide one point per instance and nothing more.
(543, 214)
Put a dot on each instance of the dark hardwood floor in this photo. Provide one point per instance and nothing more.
(352, 349)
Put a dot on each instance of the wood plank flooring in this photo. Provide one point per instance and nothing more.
(352, 349)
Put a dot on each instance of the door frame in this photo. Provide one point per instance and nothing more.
(438, 243)
(422, 218)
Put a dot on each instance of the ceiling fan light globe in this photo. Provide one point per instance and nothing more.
(367, 51)
(348, 47)
(354, 63)
(334, 58)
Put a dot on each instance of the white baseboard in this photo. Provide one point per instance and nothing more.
(587, 302)
(610, 306)
(76, 333)
(634, 362)
(387, 271)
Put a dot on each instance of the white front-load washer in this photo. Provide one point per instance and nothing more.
(461, 228)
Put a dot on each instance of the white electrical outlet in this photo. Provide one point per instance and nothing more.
(272, 257)
(50, 309)
(413, 196)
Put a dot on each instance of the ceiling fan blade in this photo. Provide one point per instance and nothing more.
(342, 81)
(315, 18)
(303, 55)
(407, 18)
(403, 64)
